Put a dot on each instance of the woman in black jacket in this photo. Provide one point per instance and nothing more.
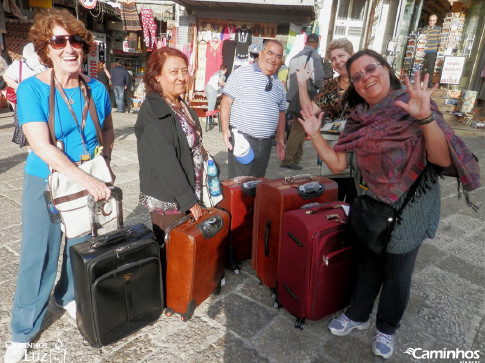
(169, 142)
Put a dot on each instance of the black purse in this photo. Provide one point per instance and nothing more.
(370, 222)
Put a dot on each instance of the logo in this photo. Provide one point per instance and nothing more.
(36, 352)
(464, 356)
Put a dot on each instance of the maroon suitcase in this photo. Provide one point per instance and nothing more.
(239, 194)
(195, 255)
(316, 269)
(273, 199)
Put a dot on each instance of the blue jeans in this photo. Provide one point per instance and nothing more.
(41, 243)
(211, 94)
(119, 92)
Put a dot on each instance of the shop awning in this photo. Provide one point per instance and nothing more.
(278, 11)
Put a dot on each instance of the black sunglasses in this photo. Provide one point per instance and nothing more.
(269, 85)
(60, 41)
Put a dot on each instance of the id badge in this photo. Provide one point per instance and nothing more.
(97, 150)
(85, 157)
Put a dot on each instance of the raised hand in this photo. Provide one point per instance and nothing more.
(303, 73)
(310, 122)
(419, 105)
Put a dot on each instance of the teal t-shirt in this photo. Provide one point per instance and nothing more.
(33, 106)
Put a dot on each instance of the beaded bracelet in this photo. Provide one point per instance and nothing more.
(426, 120)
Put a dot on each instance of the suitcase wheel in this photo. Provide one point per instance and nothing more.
(273, 296)
(276, 304)
(236, 270)
(300, 324)
(168, 312)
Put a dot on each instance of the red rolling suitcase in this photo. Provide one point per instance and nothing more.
(195, 260)
(316, 269)
(239, 194)
(273, 199)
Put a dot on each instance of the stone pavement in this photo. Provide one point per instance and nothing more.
(446, 309)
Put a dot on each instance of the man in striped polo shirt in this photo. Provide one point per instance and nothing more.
(254, 103)
(433, 33)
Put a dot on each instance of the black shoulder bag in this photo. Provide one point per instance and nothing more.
(370, 222)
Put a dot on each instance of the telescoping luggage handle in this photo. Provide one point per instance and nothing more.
(117, 194)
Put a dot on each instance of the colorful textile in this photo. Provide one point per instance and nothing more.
(213, 59)
(329, 99)
(149, 28)
(129, 17)
(390, 149)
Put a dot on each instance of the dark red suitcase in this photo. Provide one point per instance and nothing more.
(316, 269)
(239, 194)
(195, 260)
(273, 199)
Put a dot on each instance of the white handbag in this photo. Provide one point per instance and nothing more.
(71, 200)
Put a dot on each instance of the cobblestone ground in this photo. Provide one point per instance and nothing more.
(445, 312)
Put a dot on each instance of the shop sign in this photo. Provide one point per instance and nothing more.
(97, 54)
(452, 69)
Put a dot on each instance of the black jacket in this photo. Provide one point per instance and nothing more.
(166, 165)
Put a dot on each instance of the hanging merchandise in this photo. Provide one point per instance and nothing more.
(201, 64)
(129, 17)
(243, 39)
(149, 29)
(88, 4)
(193, 53)
(213, 59)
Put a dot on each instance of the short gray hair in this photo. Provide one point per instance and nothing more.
(343, 43)
(272, 41)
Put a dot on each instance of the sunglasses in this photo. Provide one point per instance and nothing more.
(369, 69)
(269, 85)
(60, 41)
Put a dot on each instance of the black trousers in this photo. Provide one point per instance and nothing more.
(391, 275)
(429, 61)
(256, 168)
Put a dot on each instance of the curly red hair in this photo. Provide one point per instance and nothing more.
(46, 20)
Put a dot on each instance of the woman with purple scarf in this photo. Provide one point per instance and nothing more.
(390, 139)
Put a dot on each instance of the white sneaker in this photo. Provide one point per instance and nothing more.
(70, 308)
(15, 352)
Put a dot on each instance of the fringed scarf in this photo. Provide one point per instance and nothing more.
(390, 149)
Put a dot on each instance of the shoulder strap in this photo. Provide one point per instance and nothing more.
(411, 191)
(308, 57)
(92, 111)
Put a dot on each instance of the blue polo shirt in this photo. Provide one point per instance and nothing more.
(255, 111)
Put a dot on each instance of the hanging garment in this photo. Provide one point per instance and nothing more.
(201, 63)
(149, 28)
(213, 59)
(129, 17)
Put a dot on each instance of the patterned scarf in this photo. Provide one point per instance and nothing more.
(390, 149)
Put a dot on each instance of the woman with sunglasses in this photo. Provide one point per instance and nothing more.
(390, 138)
(329, 98)
(62, 43)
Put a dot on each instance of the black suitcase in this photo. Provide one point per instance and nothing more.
(118, 284)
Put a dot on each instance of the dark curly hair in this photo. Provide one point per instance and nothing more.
(45, 21)
(155, 65)
(351, 97)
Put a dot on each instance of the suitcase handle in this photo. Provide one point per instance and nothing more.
(310, 190)
(242, 179)
(300, 177)
(249, 187)
(117, 194)
(322, 207)
(118, 236)
(266, 238)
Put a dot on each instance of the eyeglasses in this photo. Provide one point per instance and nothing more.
(369, 69)
(59, 41)
(269, 85)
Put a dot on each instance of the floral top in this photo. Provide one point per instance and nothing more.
(194, 139)
(329, 99)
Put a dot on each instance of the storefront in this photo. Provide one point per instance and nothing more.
(219, 32)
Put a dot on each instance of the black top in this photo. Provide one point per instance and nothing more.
(102, 77)
(166, 165)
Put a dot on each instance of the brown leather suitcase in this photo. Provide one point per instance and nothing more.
(195, 260)
(273, 199)
(239, 194)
